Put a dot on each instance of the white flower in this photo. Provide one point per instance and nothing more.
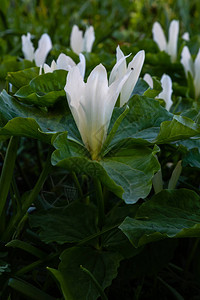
(120, 69)
(92, 104)
(80, 43)
(65, 62)
(192, 67)
(40, 55)
(186, 36)
(169, 47)
(166, 84)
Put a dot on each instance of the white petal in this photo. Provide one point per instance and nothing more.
(187, 61)
(186, 36)
(147, 77)
(159, 36)
(47, 69)
(135, 67)
(114, 90)
(95, 107)
(27, 47)
(120, 68)
(44, 46)
(65, 62)
(166, 93)
(76, 40)
(173, 40)
(81, 65)
(197, 75)
(89, 38)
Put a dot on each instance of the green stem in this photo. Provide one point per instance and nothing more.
(100, 202)
(7, 171)
(77, 184)
(30, 199)
(97, 285)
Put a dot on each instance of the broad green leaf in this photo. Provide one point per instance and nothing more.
(31, 121)
(177, 129)
(169, 214)
(22, 77)
(12, 64)
(76, 284)
(192, 158)
(44, 90)
(126, 172)
(71, 224)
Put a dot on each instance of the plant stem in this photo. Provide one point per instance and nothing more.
(7, 171)
(30, 199)
(77, 184)
(100, 202)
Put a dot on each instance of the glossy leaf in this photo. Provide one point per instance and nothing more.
(169, 214)
(102, 265)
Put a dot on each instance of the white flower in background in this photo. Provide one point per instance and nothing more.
(166, 84)
(192, 67)
(40, 54)
(92, 104)
(80, 43)
(65, 62)
(120, 69)
(186, 36)
(169, 47)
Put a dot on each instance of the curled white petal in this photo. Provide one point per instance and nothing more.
(27, 47)
(64, 62)
(186, 36)
(134, 67)
(159, 36)
(44, 46)
(187, 62)
(89, 38)
(166, 93)
(173, 40)
(197, 75)
(76, 39)
(147, 77)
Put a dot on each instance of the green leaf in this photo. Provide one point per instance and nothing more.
(12, 64)
(155, 91)
(71, 224)
(33, 122)
(44, 90)
(125, 172)
(169, 214)
(28, 290)
(26, 247)
(102, 265)
(22, 77)
(192, 158)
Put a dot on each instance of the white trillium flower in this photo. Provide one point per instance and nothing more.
(92, 104)
(192, 67)
(169, 47)
(166, 84)
(80, 43)
(65, 62)
(40, 55)
(120, 69)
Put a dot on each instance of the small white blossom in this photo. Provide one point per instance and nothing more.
(120, 69)
(40, 54)
(80, 43)
(169, 47)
